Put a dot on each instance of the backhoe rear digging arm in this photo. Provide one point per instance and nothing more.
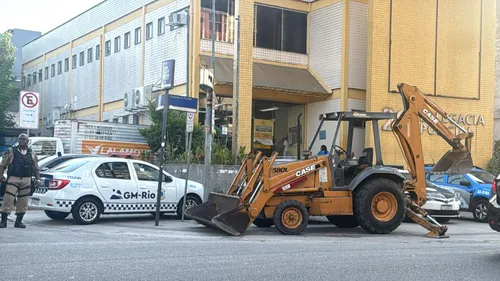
(407, 129)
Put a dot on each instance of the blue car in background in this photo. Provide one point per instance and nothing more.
(474, 187)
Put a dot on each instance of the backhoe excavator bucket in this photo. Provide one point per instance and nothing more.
(454, 162)
(216, 205)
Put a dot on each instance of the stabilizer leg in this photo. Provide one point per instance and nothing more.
(436, 230)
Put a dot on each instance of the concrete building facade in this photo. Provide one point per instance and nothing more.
(295, 57)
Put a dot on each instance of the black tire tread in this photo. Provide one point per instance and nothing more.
(281, 208)
(476, 202)
(360, 200)
(343, 221)
(56, 215)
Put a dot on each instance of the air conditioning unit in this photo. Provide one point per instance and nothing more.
(141, 96)
(177, 18)
(127, 101)
(207, 80)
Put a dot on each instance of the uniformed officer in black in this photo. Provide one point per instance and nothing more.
(22, 165)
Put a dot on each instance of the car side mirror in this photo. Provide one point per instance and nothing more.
(464, 183)
(167, 178)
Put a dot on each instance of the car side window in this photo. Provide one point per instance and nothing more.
(147, 173)
(456, 179)
(436, 178)
(113, 170)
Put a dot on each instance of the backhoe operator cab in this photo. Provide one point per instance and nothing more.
(348, 173)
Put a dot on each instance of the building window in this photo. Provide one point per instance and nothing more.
(34, 78)
(90, 56)
(108, 48)
(117, 44)
(46, 72)
(280, 29)
(161, 26)
(149, 31)
(74, 62)
(82, 58)
(66, 64)
(224, 20)
(23, 82)
(40, 75)
(127, 40)
(97, 52)
(53, 70)
(135, 119)
(29, 80)
(125, 119)
(59, 67)
(137, 36)
(115, 120)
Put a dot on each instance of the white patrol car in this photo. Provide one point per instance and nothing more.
(89, 187)
(442, 203)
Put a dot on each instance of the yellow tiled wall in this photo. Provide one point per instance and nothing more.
(412, 60)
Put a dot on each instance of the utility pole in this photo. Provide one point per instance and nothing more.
(236, 95)
(208, 115)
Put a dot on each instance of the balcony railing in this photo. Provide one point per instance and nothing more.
(224, 25)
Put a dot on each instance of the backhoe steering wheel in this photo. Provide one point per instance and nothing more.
(340, 148)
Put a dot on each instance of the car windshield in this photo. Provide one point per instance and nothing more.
(70, 165)
(482, 177)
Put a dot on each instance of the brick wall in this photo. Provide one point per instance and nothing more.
(412, 57)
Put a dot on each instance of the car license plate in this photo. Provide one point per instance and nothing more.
(35, 201)
(447, 207)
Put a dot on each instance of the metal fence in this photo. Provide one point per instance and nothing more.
(219, 178)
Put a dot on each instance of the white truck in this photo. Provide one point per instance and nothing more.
(91, 137)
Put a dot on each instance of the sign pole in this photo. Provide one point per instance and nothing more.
(187, 172)
(162, 153)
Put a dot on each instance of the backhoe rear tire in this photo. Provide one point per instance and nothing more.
(379, 206)
(343, 221)
(291, 217)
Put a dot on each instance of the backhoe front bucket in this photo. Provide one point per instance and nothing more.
(454, 162)
(219, 213)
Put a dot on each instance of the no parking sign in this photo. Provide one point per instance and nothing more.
(29, 103)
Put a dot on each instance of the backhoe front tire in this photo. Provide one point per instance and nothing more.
(291, 217)
(379, 206)
(343, 221)
(263, 222)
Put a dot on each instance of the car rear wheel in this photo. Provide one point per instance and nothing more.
(86, 211)
(480, 210)
(56, 215)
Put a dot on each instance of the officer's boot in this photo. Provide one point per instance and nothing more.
(3, 223)
(18, 222)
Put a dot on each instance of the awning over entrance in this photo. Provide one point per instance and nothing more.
(270, 77)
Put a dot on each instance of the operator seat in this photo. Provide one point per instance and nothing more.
(365, 158)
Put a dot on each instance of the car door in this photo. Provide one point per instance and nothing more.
(461, 184)
(115, 184)
(147, 182)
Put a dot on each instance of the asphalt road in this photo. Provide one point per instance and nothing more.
(133, 248)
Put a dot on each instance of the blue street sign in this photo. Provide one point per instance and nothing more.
(181, 103)
(167, 74)
(160, 102)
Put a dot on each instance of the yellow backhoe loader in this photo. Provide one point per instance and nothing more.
(349, 192)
